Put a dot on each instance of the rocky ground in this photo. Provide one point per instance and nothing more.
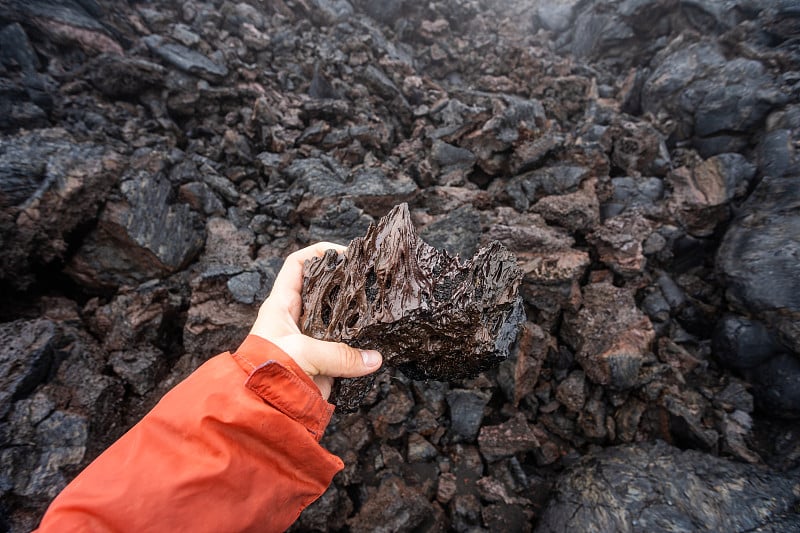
(640, 157)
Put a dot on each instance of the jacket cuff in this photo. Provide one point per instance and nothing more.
(278, 380)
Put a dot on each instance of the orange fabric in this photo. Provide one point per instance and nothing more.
(234, 447)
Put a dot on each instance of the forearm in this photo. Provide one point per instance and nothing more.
(232, 448)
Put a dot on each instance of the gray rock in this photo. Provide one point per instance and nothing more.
(628, 192)
(216, 319)
(185, 59)
(206, 172)
(395, 506)
(138, 367)
(614, 31)
(658, 488)
(610, 335)
(656, 306)
(141, 237)
(16, 50)
(458, 232)
(330, 11)
(245, 287)
(320, 87)
(512, 437)
(571, 392)
(671, 291)
(775, 153)
(124, 77)
(63, 438)
(777, 386)
(709, 95)
(201, 198)
(465, 512)
(598, 33)
(556, 16)
(340, 222)
(369, 188)
(743, 344)
(381, 84)
(447, 155)
(758, 257)
(526, 188)
(466, 412)
(386, 11)
(27, 353)
(185, 35)
(419, 449)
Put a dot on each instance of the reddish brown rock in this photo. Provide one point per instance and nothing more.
(533, 344)
(610, 335)
(426, 312)
(508, 438)
(551, 280)
(619, 243)
(577, 211)
(408, 508)
(699, 196)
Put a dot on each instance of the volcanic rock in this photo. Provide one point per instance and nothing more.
(744, 344)
(185, 59)
(655, 487)
(49, 185)
(729, 98)
(158, 160)
(407, 506)
(620, 243)
(28, 352)
(428, 314)
(509, 438)
(766, 239)
(457, 233)
(140, 236)
(700, 193)
(777, 386)
(466, 412)
(610, 335)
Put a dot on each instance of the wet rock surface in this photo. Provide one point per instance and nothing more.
(638, 158)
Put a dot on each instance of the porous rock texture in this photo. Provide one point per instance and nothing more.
(428, 314)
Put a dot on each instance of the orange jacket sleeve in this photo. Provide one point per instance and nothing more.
(234, 447)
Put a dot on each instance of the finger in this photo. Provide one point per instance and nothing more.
(324, 384)
(289, 281)
(336, 359)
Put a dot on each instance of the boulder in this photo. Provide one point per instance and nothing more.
(657, 488)
(141, 236)
(50, 185)
(758, 257)
(716, 102)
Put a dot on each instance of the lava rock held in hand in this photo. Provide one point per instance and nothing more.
(430, 315)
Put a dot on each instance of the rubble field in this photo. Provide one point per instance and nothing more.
(639, 159)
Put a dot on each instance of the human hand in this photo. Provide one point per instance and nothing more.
(277, 322)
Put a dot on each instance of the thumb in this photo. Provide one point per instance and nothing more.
(338, 360)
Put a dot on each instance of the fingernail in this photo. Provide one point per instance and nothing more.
(371, 357)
